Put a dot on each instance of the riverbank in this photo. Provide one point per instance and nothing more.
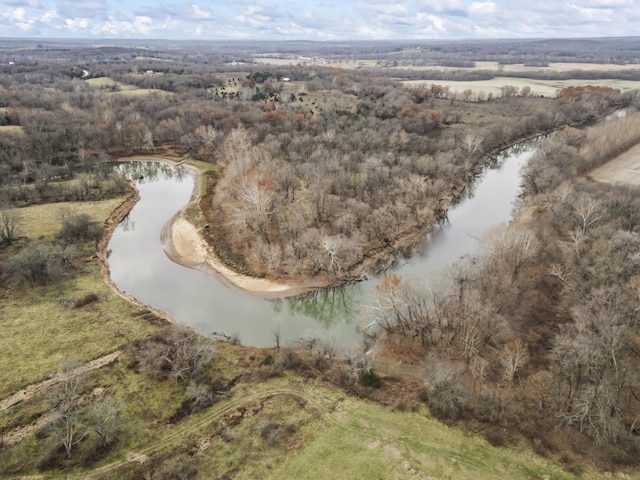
(184, 245)
(110, 225)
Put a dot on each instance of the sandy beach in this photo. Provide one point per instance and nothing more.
(184, 245)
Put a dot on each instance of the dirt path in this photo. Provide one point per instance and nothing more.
(17, 435)
(325, 405)
(624, 169)
(31, 390)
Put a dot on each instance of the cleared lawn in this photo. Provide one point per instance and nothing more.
(624, 169)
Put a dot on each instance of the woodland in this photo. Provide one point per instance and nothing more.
(328, 172)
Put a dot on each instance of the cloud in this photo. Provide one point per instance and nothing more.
(22, 3)
(324, 20)
(201, 14)
(606, 3)
(482, 8)
(89, 9)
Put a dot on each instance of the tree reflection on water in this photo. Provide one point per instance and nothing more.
(151, 171)
(329, 306)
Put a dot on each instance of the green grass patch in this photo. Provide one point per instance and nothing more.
(204, 167)
(40, 330)
(364, 440)
(39, 333)
(44, 220)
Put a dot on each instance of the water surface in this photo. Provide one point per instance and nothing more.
(140, 268)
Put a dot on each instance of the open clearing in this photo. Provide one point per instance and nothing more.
(39, 325)
(11, 129)
(45, 220)
(551, 68)
(624, 169)
(548, 88)
(123, 88)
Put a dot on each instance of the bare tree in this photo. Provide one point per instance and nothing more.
(359, 362)
(331, 246)
(68, 428)
(104, 419)
(513, 357)
(445, 388)
(588, 211)
(10, 221)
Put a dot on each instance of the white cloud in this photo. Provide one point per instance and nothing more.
(22, 3)
(77, 23)
(482, 8)
(606, 3)
(437, 22)
(49, 16)
(326, 20)
(200, 14)
(18, 14)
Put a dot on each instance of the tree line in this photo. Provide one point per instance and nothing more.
(539, 333)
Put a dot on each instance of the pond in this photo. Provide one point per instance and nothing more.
(140, 267)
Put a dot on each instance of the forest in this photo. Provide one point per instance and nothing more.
(332, 173)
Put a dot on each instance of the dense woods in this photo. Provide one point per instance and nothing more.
(325, 174)
(539, 334)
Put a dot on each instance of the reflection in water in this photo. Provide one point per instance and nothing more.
(139, 266)
(329, 306)
(147, 172)
(127, 224)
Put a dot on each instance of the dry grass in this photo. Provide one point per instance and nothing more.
(39, 331)
(11, 129)
(44, 220)
(624, 169)
(548, 88)
(123, 88)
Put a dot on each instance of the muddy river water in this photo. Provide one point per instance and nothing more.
(140, 267)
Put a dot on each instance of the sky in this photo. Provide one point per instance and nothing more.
(322, 20)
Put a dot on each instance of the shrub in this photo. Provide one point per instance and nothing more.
(77, 227)
(39, 263)
(86, 300)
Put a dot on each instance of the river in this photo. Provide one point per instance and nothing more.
(140, 267)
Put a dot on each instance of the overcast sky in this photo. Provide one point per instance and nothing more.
(321, 20)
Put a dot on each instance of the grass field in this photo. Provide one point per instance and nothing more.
(548, 88)
(280, 428)
(39, 331)
(44, 220)
(123, 88)
(10, 129)
(624, 169)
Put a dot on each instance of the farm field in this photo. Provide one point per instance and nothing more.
(624, 169)
(548, 88)
(11, 129)
(123, 88)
